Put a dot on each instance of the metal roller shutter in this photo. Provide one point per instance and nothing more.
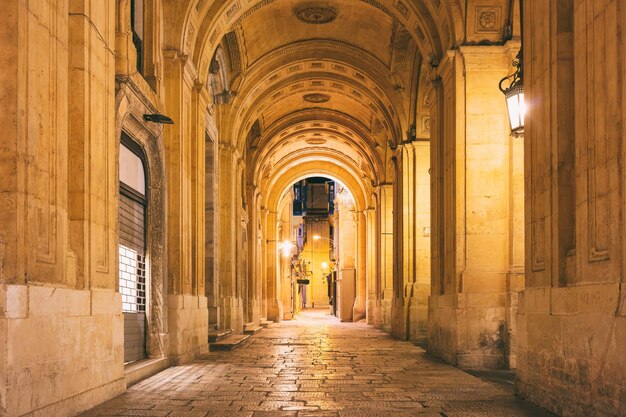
(133, 276)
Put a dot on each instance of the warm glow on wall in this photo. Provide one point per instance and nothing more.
(285, 248)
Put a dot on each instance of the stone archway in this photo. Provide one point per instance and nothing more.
(130, 120)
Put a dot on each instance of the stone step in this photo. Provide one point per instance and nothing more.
(266, 323)
(230, 343)
(252, 329)
(216, 335)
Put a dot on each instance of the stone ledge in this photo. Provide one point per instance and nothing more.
(138, 371)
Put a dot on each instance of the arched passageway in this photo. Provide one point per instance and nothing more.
(490, 250)
(316, 365)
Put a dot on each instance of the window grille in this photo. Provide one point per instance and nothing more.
(132, 260)
(132, 280)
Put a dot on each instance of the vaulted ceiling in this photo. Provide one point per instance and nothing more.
(339, 80)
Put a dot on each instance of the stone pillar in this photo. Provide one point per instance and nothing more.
(386, 254)
(346, 255)
(211, 217)
(274, 303)
(372, 266)
(254, 258)
(403, 253)
(418, 309)
(471, 156)
(360, 306)
(232, 308)
(263, 263)
(184, 158)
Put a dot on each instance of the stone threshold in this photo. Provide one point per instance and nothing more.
(137, 371)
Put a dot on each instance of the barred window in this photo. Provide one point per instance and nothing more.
(132, 231)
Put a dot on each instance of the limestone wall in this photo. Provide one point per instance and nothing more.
(62, 350)
(572, 321)
(61, 327)
(472, 215)
(188, 315)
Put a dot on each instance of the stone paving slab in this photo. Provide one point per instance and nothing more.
(316, 366)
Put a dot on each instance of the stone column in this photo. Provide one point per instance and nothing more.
(254, 258)
(386, 254)
(184, 158)
(211, 217)
(346, 256)
(274, 303)
(359, 308)
(232, 308)
(264, 263)
(372, 266)
(418, 309)
(471, 154)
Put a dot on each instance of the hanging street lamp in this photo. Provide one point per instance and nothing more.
(514, 94)
(512, 86)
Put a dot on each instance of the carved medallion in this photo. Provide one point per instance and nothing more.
(316, 15)
(425, 124)
(315, 141)
(487, 19)
(316, 98)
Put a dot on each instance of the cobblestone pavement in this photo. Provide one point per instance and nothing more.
(317, 366)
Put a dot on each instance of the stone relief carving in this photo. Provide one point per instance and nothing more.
(316, 15)
(402, 9)
(425, 124)
(487, 19)
(190, 32)
(315, 141)
(419, 32)
(316, 98)
(213, 37)
(401, 47)
(232, 10)
(234, 51)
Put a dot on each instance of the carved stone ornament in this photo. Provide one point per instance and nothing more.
(316, 15)
(488, 19)
(315, 141)
(316, 98)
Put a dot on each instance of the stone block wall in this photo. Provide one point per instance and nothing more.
(81, 334)
(473, 209)
(61, 329)
(572, 319)
(188, 323)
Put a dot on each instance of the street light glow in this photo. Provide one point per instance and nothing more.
(316, 237)
(285, 247)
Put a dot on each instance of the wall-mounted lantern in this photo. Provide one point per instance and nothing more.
(514, 91)
(514, 94)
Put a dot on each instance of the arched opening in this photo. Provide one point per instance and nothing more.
(134, 279)
(317, 251)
